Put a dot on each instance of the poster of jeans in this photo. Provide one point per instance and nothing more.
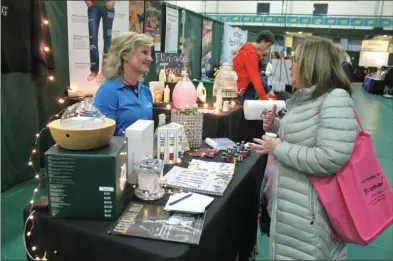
(207, 43)
(153, 22)
(137, 16)
(233, 40)
(91, 26)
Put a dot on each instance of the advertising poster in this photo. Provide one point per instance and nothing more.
(172, 30)
(207, 42)
(233, 39)
(91, 26)
(153, 22)
(137, 9)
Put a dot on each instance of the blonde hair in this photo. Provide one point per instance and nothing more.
(121, 46)
(342, 54)
(319, 64)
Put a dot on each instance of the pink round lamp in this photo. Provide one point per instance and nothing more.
(184, 93)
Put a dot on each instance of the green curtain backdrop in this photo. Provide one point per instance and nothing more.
(27, 101)
(193, 34)
(218, 33)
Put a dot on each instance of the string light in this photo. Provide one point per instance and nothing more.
(30, 220)
(28, 232)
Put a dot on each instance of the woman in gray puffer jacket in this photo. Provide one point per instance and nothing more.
(318, 135)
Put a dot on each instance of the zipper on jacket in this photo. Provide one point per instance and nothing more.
(312, 203)
(274, 210)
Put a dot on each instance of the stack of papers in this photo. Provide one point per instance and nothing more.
(195, 204)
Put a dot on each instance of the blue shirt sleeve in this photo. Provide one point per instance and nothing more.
(107, 102)
(149, 94)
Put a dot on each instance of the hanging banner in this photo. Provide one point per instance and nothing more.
(233, 39)
(207, 43)
(91, 26)
(137, 19)
(153, 22)
(171, 30)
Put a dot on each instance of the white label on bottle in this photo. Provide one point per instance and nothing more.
(111, 189)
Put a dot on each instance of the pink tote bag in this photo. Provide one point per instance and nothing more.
(357, 199)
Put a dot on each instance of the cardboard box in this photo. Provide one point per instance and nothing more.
(169, 143)
(87, 184)
(140, 137)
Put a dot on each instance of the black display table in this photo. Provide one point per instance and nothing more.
(215, 125)
(229, 231)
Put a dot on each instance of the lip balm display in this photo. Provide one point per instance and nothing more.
(148, 174)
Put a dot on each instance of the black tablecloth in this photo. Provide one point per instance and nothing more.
(215, 125)
(229, 231)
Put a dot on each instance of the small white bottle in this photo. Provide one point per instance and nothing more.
(201, 92)
(161, 122)
(171, 149)
(162, 76)
(167, 94)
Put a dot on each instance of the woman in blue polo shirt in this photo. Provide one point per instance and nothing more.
(122, 97)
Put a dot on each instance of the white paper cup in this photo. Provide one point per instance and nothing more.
(269, 135)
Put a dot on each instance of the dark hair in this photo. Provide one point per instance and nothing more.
(265, 36)
(276, 55)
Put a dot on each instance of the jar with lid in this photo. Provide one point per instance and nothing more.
(148, 173)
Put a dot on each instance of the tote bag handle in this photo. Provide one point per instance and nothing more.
(358, 120)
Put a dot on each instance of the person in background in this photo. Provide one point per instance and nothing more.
(245, 64)
(317, 136)
(346, 63)
(262, 71)
(269, 67)
(122, 97)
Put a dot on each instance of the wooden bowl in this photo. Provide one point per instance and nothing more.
(82, 138)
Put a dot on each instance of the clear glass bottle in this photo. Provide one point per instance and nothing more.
(148, 175)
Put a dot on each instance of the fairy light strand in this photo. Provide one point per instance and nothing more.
(37, 175)
(27, 233)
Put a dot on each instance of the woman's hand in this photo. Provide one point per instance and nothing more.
(268, 117)
(271, 95)
(110, 4)
(89, 3)
(265, 146)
